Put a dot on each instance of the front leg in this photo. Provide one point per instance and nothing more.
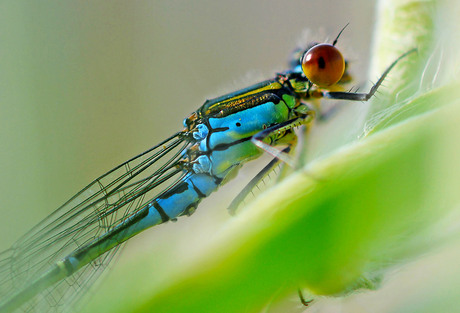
(358, 96)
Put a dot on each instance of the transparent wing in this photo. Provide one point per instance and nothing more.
(93, 211)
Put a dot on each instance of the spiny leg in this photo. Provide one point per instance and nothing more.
(254, 182)
(281, 129)
(332, 110)
(302, 298)
(358, 96)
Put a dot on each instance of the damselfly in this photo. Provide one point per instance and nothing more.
(169, 180)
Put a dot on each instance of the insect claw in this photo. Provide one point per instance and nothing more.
(306, 303)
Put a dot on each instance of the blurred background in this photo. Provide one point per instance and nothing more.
(85, 86)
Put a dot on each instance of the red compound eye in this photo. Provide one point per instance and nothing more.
(323, 65)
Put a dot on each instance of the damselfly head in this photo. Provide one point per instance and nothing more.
(323, 65)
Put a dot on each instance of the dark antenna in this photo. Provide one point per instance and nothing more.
(336, 38)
